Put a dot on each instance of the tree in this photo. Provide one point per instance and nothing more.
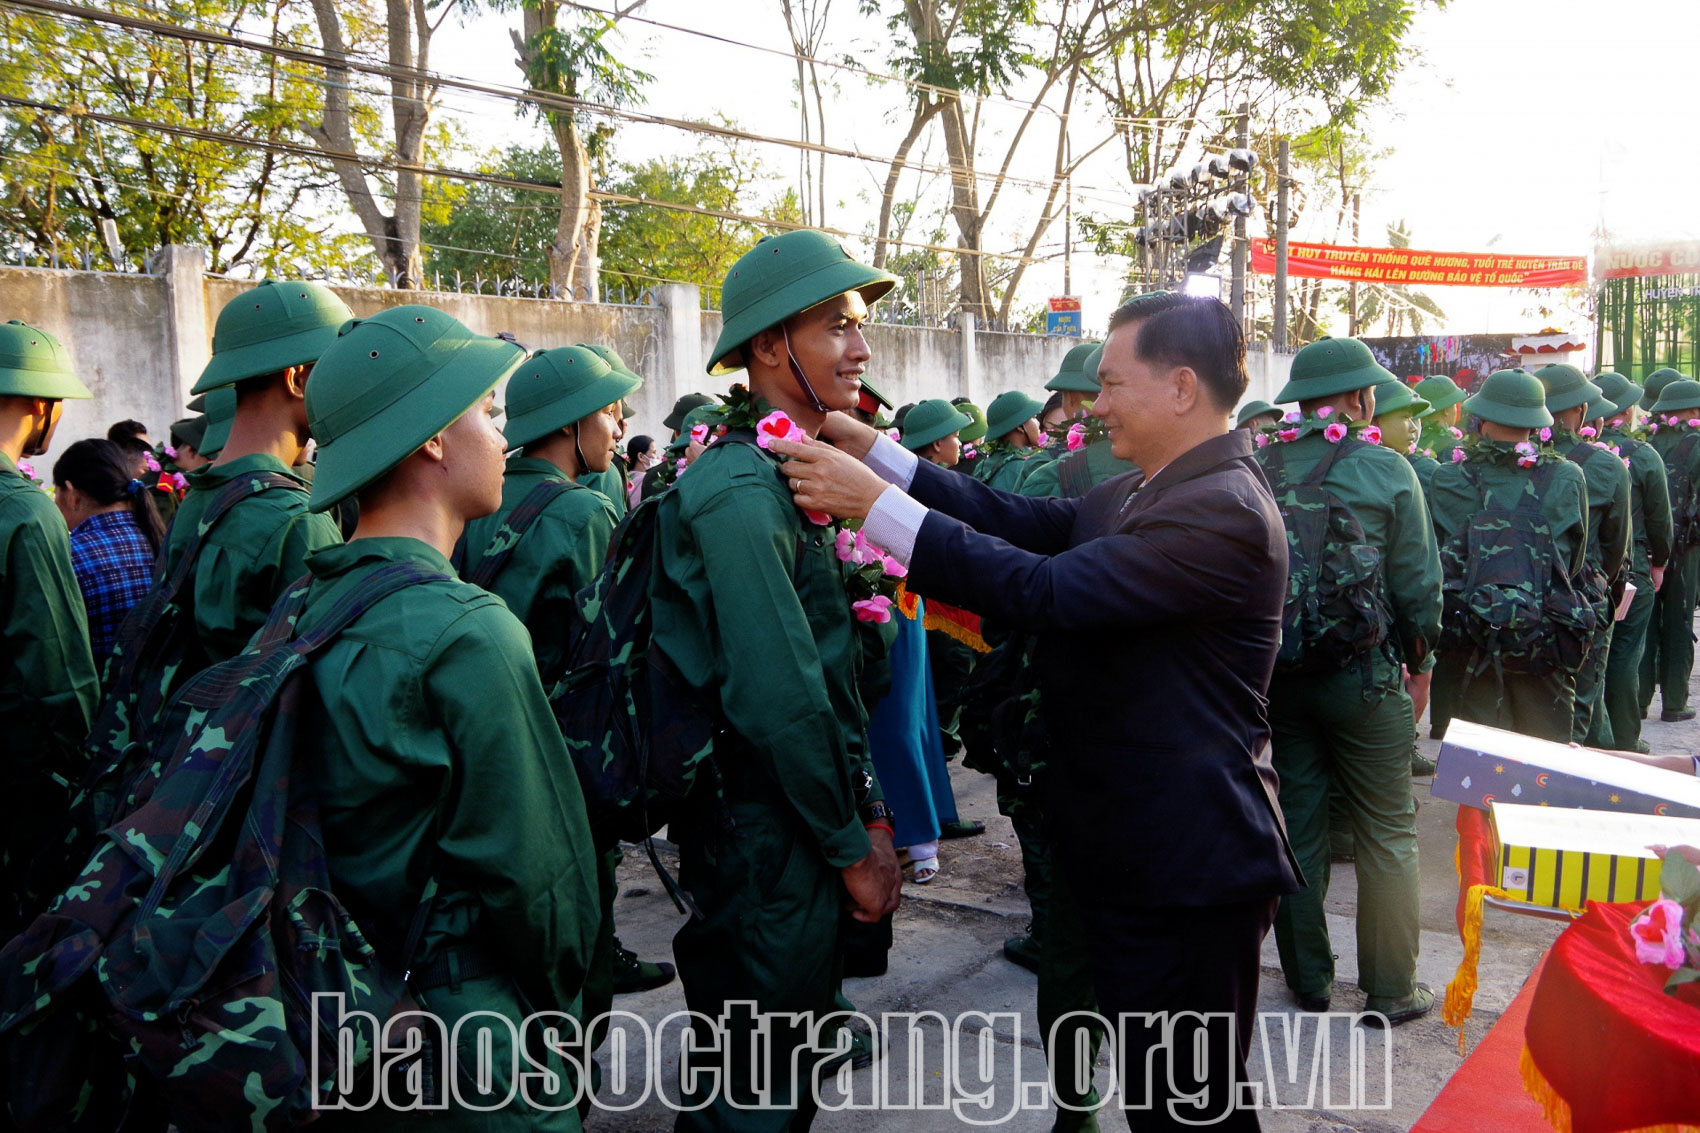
(805, 23)
(348, 113)
(1395, 305)
(565, 52)
(64, 172)
(496, 233)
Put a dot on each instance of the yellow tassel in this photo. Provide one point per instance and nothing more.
(909, 605)
(1557, 1111)
(957, 632)
(1461, 992)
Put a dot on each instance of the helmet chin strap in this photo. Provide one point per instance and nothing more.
(802, 378)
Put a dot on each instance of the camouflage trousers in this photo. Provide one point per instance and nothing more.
(1668, 661)
(1588, 717)
(1622, 701)
(1542, 705)
(1329, 732)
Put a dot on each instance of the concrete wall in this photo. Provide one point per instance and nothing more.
(140, 341)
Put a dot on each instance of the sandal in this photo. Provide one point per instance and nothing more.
(922, 870)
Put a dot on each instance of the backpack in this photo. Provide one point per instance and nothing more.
(1074, 475)
(1003, 730)
(1335, 612)
(1509, 600)
(1592, 583)
(1684, 494)
(193, 943)
(506, 539)
(155, 644)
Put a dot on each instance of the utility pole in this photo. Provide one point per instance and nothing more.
(1352, 291)
(1236, 301)
(1068, 215)
(1279, 336)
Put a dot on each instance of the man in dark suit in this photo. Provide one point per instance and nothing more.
(1158, 600)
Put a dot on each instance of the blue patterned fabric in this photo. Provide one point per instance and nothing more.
(114, 564)
(903, 740)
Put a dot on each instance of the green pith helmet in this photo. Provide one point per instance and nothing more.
(1071, 375)
(1391, 397)
(976, 416)
(1254, 409)
(390, 383)
(273, 325)
(197, 404)
(191, 431)
(556, 387)
(1513, 398)
(221, 411)
(780, 277)
(1091, 368)
(1619, 390)
(1655, 383)
(1599, 409)
(1677, 396)
(1331, 366)
(1010, 411)
(898, 415)
(1566, 387)
(34, 364)
(1441, 393)
(932, 420)
(609, 355)
(676, 419)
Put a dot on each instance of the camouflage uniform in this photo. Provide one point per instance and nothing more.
(1672, 634)
(48, 687)
(1351, 728)
(1651, 546)
(1001, 465)
(1541, 705)
(1609, 524)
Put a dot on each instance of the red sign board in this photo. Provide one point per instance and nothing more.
(1625, 261)
(1415, 266)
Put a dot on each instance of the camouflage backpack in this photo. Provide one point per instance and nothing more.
(506, 539)
(1509, 600)
(1684, 493)
(1003, 729)
(188, 953)
(1335, 612)
(1592, 583)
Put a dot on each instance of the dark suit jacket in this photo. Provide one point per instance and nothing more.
(1159, 622)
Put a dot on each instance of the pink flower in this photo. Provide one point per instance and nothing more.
(845, 545)
(171, 452)
(719, 431)
(27, 469)
(152, 464)
(893, 568)
(1288, 434)
(1673, 419)
(1546, 435)
(969, 451)
(1588, 431)
(818, 518)
(680, 465)
(894, 435)
(1291, 418)
(1457, 456)
(876, 609)
(699, 434)
(1652, 426)
(1044, 439)
(1658, 934)
(1694, 422)
(1335, 433)
(1076, 436)
(1325, 412)
(776, 426)
(1261, 440)
(1372, 434)
(1457, 433)
(180, 481)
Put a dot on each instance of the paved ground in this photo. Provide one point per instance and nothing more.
(947, 959)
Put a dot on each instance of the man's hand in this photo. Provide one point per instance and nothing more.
(875, 883)
(823, 478)
(1417, 685)
(1658, 574)
(846, 434)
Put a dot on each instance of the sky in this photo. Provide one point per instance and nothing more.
(1520, 126)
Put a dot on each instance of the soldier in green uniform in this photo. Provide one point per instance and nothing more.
(611, 481)
(1340, 714)
(1650, 550)
(1072, 382)
(970, 436)
(1569, 395)
(440, 767)
(1651, 387)
(265, 343)
(1503, 468)
(1256, 415)
(750, 604)
(933, 430)
(48, 685)
(1440, 431)
(1012, 437)
(1678, 442)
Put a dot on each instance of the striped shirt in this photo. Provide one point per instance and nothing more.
(114, 565)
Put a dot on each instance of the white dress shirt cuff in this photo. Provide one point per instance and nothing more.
(893, 523)
(892, 462)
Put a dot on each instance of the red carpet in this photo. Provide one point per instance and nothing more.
(1486, 1091)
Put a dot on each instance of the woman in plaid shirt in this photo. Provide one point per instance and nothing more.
(115, 532)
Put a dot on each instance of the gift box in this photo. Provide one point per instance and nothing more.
(1479, 766)
(1564, 858)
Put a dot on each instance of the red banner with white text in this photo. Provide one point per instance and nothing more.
(1415, 266)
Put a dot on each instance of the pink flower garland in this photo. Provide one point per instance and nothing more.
(1658, 934)
(1076, 436)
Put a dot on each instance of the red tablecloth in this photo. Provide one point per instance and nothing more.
(1607, 1049)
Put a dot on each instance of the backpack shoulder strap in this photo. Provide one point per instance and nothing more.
(1074, 474)
(1580, 452)
(1323, 466)
(1684, 448)
(371, 590)
(227, 497)
(519, 521)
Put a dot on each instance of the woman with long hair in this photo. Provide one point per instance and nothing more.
(115, 533)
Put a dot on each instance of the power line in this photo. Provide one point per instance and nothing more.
(542, 99)
(313, 153)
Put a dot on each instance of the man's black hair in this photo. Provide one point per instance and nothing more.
(127, 435)
(1201, 334)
